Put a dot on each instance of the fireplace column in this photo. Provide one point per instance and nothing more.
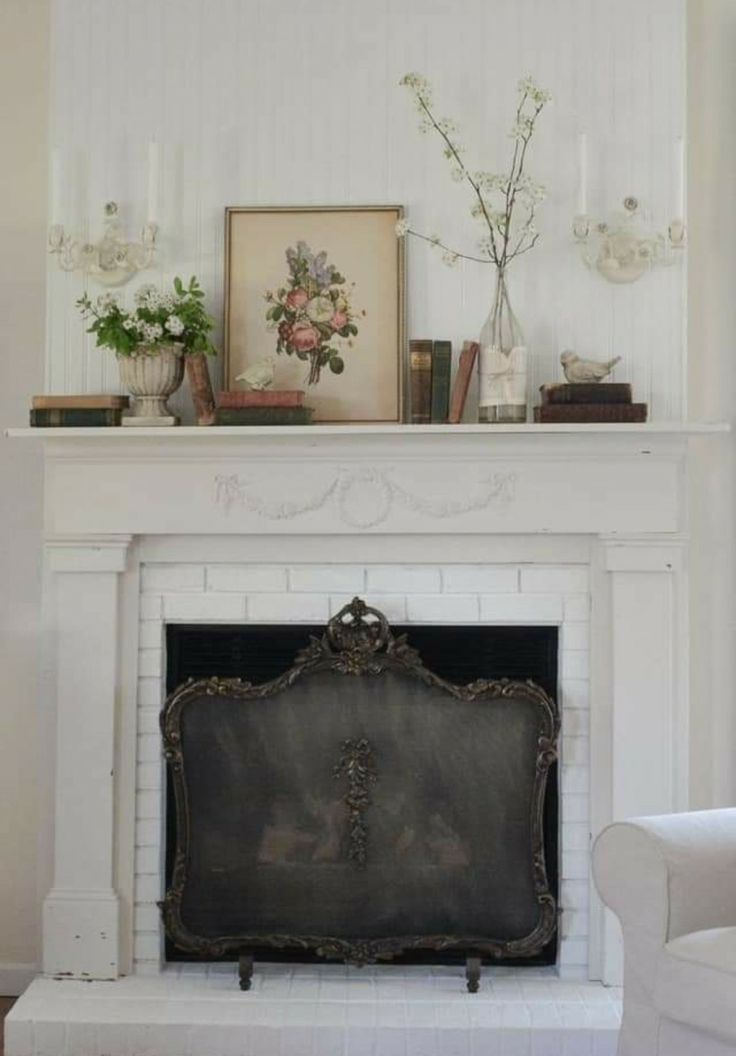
(639, 721)
(81, 912)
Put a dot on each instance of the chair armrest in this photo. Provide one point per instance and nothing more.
(670, 875)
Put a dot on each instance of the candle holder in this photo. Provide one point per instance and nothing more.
(111, 260)
(623, 246)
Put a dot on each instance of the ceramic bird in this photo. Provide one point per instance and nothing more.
(580, 371)
(259, 375)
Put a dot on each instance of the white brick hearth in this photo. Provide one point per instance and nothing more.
(580, 528)
(326, 1010)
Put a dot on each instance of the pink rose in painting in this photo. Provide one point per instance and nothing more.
(297, 298)
(338, 321)
(305, 338)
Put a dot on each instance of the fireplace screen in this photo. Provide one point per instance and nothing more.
(359, 806)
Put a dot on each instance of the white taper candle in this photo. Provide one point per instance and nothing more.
(582, 174)
(153, 160)
(678, 211)
(56, 182)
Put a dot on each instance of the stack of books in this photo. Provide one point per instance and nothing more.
(433, 399)
(77, 411)
(589, 402)
(429, 366)
(268, 407)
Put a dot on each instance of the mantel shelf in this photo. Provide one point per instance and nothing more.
(391, 479)
(314, 431)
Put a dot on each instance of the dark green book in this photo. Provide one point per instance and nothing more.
(441, 370)
(74, 417)
(263, 416)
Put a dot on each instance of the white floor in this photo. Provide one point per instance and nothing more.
(325, 1010)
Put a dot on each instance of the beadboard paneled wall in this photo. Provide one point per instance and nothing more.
(255, 102)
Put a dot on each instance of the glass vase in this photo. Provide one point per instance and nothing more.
(501, 361)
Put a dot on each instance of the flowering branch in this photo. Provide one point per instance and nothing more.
(450, 256)
(509, 233)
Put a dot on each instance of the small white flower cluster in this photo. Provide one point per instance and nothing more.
(147, 296)
(150, 297)
(151, 332)
(530, 189)
(401, 228)
(529, 87)
(491, 181)
(174, 325)
(418, 84)
(106, 302)
(523, 127)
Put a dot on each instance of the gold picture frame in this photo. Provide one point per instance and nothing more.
(352, 264)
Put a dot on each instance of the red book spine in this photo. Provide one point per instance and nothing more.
(264, 398)
(465, 368)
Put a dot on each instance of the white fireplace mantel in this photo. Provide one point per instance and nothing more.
(114, 495)
(599, 479)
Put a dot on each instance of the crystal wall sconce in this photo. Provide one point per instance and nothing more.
(623, 247)
(111, 260)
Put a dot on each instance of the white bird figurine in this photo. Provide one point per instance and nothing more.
(259, 376)
(580, 371)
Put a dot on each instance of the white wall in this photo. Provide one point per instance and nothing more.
(712, 385)
(126, 71)
(256, 103)
(23, 121)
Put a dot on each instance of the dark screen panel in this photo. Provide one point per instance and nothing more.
(460, 654)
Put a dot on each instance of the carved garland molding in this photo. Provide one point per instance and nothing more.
(342, 492)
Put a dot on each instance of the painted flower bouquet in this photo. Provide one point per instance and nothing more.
(311, 314)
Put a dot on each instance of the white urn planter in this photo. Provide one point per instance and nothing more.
(151, 374)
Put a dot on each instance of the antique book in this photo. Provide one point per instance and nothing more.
(263, 416)
(264, 398)
(591, 412)
(441, 370)
(72, 417)
(600, 392)
(200, 386)
(420, 381)
(102, 401)
(465, 369)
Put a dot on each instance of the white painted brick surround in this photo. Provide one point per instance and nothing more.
(422, 593)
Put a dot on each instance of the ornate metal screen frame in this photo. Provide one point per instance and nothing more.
(358, 641)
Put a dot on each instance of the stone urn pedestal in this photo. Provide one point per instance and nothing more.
(151, 374)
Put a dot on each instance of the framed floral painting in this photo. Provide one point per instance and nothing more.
(314, 296)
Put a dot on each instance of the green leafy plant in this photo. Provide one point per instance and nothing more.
(158, 319)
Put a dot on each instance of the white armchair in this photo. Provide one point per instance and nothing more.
(671, 881)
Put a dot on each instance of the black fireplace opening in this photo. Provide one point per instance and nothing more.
(460, 654)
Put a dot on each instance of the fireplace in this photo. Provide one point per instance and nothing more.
(437, 842)
(579, 532)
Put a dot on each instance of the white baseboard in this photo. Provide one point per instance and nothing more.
(14, 978)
